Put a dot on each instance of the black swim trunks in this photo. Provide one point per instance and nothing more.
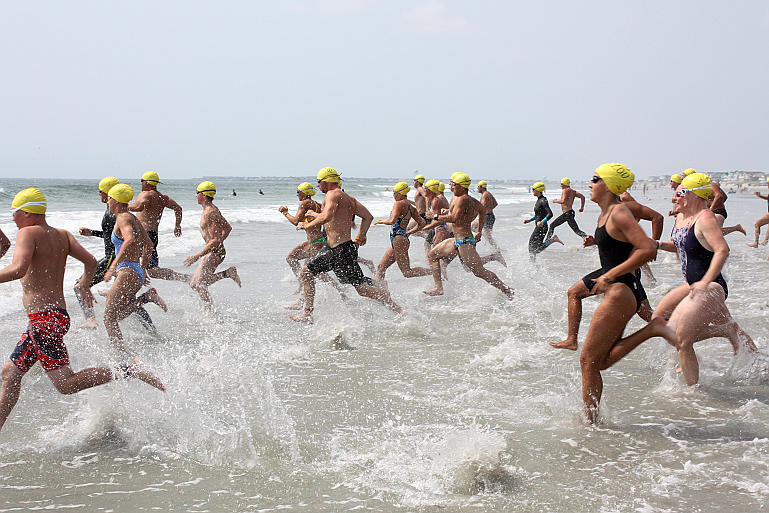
(721, 211)
(343, 260)
(154, 259)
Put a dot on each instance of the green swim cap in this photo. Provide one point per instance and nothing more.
(30, 200)
(401, 188)
(307, 188)
(617, 177)
(207, 188)
(122, 193)
(329, 174)
(699, 184)
(108, 183)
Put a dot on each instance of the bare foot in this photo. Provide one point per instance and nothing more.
(434, 292)
(752, 245)
(368, 263)
(306, 317)
(153, 297)
(739, 228)
(569, 344)
(297, 291)
(660, 329)
(296, 305)
(556, 239)
(497, 255)
(232, 272)
(138, 369)
(763, 242)
(103, 292)
(89, 324)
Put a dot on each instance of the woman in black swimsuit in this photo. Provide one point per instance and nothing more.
(622, 247)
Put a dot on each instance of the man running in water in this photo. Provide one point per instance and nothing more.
(461, 212)
(489, 203)
(150, 205)
(39, 260)
(567, 201)
(340, 254)
(107, 225)
(718, 206)
(215, 229)
(764, 219)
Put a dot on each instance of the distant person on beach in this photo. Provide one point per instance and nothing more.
(622, 248)
(542, 214)
(149, 206)
(401, 215)
(462, 210)
(568, 195)
(39, 261)
(260, 192)
(132, 247)
(215, 229)
(696, 310)
(107, 225)
(340, 254)
(234, 193)
(763, 220)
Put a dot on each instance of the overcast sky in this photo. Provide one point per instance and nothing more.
(379, 88)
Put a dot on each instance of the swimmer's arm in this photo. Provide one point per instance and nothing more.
(22, 256)
(758, 193)
(148, 246)
(327, 213)
(127, 231)
(393, 217)
(658, 222)
(178, 213)
(714, 237)
(563, 197)
(581, 199)
(5, 244)
(365, 221)
(300, 214)
(138, 205)
(481, 211)
(645, 248)
(549, 215)
(89, 262)
(417, 218)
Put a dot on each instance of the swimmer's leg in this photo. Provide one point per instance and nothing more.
(575, 295)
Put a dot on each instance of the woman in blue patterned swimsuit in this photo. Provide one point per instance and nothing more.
(401, 214)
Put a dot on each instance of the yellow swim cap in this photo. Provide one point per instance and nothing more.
(307, 188)
(676, 178)
(617, 177)
(420, 179)
(699, 184)
(208, 188)
(402, 188)
(442, 186)
(565, 181)
(689, 171)
(461, 179)
(151, 177)
(329, 174)
(108, 183)
(121, 193)
(539, 186)
(30, 200)
(483, 184)
(433, 185)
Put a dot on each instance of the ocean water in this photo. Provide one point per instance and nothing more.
(458, 404)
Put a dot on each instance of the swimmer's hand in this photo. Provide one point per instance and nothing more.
(311, 213)
(300, 226)
(282, 209)
(85, 231)
(146, 277)
(444, 211)
(540, 224)
(191, 260)
(178, 231)
(698, 289)
(360, 240)
(478, 237)
(86, 297)
(588, 241)
(108, 275)
(602, 284)
(526, 221)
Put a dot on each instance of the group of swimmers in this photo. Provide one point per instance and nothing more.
(693, 311)
(689, 313)
(39, 261)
